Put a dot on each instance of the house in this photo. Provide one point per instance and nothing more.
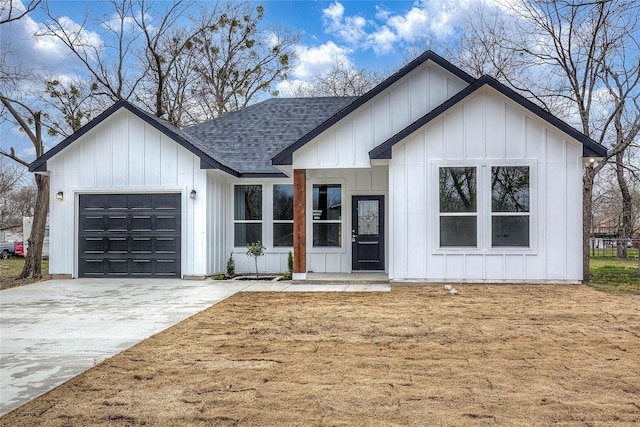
(432, 176)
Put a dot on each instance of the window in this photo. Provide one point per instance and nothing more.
(327, 215)
(509, 206)
(282, 215)
(458, 207)
(247, 214)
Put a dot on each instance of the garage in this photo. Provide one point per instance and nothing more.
(129, 235)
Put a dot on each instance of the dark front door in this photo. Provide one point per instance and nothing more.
(134, 235)
(367, 233)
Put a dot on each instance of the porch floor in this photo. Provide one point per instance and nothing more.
(361, 278)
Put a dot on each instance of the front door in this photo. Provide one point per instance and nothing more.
(367, 233)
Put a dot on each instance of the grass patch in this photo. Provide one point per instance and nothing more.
(490, 355)
(12, 267)
(615, 276)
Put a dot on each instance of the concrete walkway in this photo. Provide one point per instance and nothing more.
(52, 331)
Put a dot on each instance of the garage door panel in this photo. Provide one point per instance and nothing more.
(93, 223)
(141, 223)
(141, 245)
(167, 223)
(129, 235)
(116, 223)
(117, 245)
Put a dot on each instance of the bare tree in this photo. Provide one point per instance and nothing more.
(238, 60)
(10, 175)
(108, 60)
(574, 59)
(184, 67)
(12, 10)
(341, 80)
(29, 121)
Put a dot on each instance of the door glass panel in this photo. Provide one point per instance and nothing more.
(368, 214)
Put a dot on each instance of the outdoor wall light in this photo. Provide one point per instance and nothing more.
(192, 194)
(60, 195)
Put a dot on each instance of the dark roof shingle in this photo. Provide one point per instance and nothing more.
(247, 139)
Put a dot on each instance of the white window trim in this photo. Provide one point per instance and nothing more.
(273, 221)
(327, 249)
(484, 212)
(246, 221)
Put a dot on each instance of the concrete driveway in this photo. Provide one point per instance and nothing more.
(52, 331)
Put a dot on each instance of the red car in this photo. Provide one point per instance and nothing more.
(19, 248)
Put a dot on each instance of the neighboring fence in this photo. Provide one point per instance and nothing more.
(607, 247)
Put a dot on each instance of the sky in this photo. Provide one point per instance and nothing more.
(367, 34)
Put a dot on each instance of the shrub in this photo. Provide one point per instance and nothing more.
(231, 266)
(290, 263)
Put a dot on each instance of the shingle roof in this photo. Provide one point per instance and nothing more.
(247, 139)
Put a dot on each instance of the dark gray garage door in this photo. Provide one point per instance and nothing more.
(135, 235)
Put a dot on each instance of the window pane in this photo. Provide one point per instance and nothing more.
(458, 189)
(283, 202)
(246, 233)
(510, 189)
(327, 234)
(368, 218)
(283, 234)
(247, 202)
(458, 231)
(327, 202)
(510, 231)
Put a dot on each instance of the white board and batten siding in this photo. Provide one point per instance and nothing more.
(274, 260)
(123, 154)
(347, 143)
(354, 182)
(485, 130)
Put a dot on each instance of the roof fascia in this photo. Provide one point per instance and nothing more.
(590, 148)
(285, 157)
(206, 161)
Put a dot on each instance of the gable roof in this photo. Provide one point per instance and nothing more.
(590, 148)
(207, 161)
(246, 139)
(285, 157)
(240, 143)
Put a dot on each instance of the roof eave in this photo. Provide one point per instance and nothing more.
(590, 147)
(206, 161)
(285, 157)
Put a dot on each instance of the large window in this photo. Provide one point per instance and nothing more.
(473, 199)
(282, 215)
(509, 206)
(247, 216)
(458, 207)
(327, 215)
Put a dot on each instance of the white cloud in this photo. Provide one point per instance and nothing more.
(317, 60)
(425, 20)
(383, 40)
(350, 29)
(26, 48)
(314, 61)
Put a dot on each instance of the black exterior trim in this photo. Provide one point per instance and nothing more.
(590, 148)
(263, 175)
(206, 161)
(285, 157)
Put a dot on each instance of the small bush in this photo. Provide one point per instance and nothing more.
(286, 275)
(231, 266)
(290, 263)
(219, 276)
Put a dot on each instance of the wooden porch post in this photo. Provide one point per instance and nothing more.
(299, 224)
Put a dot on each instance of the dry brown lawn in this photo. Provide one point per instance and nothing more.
(491, 355)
